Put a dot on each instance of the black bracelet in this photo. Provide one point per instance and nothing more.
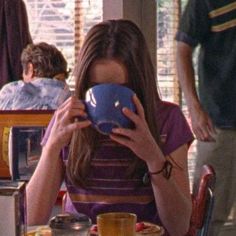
(165, 170)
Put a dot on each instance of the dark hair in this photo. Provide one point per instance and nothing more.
(47, 60)
(119, 40)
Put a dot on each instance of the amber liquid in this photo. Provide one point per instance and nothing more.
(116, 224)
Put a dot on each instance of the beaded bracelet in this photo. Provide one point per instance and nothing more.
(165, 170)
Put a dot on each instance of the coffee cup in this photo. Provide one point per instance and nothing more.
(104, 103)
(116, 224)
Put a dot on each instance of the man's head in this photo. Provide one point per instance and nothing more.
(43, 60)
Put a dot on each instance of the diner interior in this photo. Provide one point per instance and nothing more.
(64, 23)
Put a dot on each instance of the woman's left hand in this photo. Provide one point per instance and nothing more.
(139, 139)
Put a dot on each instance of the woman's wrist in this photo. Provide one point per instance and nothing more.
(164, 171)
(155, 161)
(155, 165)
(51, 149)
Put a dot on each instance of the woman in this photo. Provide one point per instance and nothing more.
(109, 173)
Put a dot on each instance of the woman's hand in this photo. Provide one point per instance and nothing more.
(66, 121)
(139, 139)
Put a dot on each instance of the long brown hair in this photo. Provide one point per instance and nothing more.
(116, 40)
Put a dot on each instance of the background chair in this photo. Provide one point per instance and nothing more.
(203, 202)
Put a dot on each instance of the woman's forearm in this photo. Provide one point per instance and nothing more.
(172, 195)
(174, 207)
(43, 187)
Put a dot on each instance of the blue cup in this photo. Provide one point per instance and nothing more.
(104, 103)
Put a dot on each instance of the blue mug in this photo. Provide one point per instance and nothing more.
(104, 103)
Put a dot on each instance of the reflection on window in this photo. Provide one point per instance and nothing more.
(24, 151)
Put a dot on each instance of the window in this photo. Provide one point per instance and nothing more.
(168, 15)
(63, 23)
(167, 23)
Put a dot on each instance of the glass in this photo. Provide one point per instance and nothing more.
(70, 225)
(116, 224)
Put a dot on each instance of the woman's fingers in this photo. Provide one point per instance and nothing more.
(72, 108)
(72, 103)
(135, 117)
(131, 115)
(78, 125)
(139, 107)
(121, 140)
(124, 132)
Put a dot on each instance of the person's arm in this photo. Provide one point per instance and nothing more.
(201, 122)
(44, 185)
(172, 195)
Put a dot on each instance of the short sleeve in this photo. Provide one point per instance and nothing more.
(194, 25)
(175, 130)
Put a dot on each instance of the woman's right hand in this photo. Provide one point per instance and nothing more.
(66, 121)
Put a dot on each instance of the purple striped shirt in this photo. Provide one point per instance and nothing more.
(109, 188)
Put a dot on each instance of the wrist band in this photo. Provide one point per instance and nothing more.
(165, 170)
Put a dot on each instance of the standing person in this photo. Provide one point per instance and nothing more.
(105, 173)
(211, 24)
(43, 85)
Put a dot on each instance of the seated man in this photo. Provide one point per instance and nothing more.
(43, 85)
